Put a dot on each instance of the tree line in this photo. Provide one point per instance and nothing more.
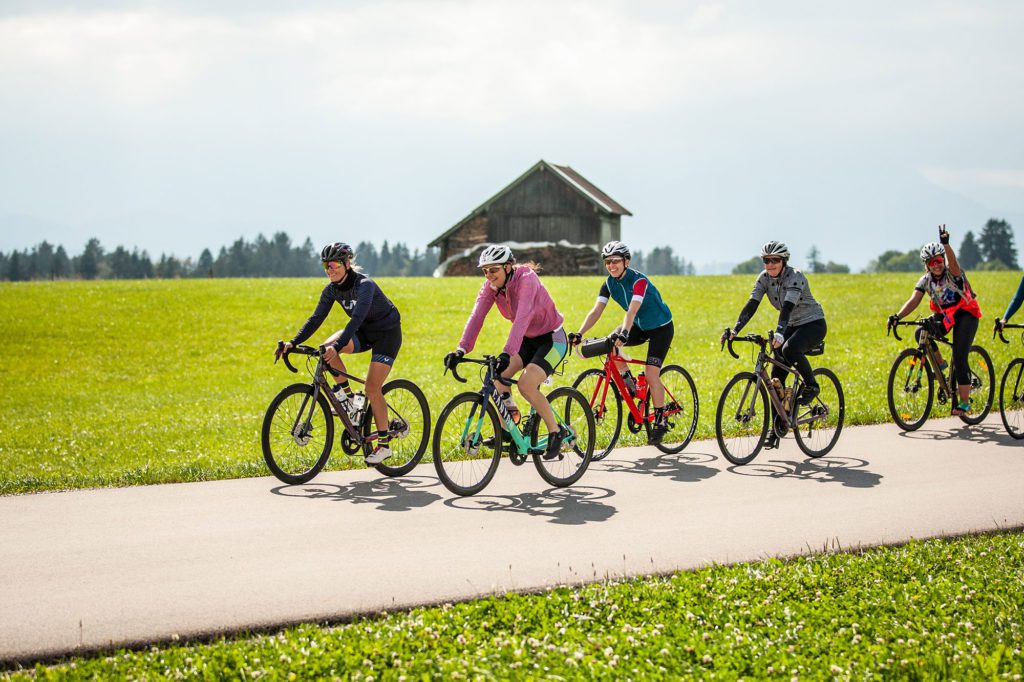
(992, 249)
(262, 257)
(813, 264)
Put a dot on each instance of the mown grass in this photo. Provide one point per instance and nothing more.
(940, 609)
(123, 383)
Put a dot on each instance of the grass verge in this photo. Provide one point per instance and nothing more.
(939, 609)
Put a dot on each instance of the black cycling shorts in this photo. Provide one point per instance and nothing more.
(385, 344)
(546, 351)
(660, 339)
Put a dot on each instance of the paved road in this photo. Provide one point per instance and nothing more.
(90, 569)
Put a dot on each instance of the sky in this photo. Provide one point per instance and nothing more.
(176, 126)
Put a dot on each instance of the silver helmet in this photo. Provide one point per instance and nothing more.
(615, 248)
(931, 250)
(774, 248)
(495, 254)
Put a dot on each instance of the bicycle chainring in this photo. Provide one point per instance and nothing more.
(349, 445)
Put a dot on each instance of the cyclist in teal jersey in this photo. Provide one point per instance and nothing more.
(647, 319)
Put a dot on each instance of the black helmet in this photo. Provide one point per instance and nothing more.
(338, 251)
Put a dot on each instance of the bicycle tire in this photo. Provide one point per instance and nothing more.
(1011, 406)
(408, 424)
(680, 394)
(828, 411)
(983, 383)
(739, 450)
(906, 406)
(572, 410)
(464, 462)
(286, 455)
(607, 408)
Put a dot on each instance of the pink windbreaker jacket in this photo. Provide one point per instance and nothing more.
(524, 301)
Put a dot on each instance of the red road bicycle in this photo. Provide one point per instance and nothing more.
(606, 390)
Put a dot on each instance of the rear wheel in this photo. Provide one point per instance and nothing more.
(297, 434)
(681, 408)
(819, 424)
(911, 389)
(467, 444)
(741, 420)
(1011, 398)
(983, 382)
(604, 401)
(408, 426)
(573, 411)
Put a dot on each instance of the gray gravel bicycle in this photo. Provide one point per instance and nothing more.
(298, 429)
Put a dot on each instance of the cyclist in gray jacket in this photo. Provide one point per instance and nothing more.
(801, 324)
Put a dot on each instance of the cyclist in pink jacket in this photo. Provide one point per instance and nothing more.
(536, 344)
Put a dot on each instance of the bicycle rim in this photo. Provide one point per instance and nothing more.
(681, 409)
(607, 407)
(297, 434)
(573, 411)
(1011, 398)
(467, 444)
(408, 425)
(819, 424)
(979, 364)
(910, 389)
(741, 420)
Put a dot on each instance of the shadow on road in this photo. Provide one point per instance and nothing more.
(847, 471)
(565, 506)
(389, 494)
(981, 434)
(682, 467)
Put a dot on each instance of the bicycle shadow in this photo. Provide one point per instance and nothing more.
(574, 506)
(982, 434)
(847, 471)
(389, 494)
(681, 467)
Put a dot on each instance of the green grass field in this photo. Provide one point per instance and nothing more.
(122, 383)
(942, 609)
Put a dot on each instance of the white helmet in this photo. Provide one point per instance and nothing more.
(931, 250)
(615, 248)
(495, 254)
(774, 248)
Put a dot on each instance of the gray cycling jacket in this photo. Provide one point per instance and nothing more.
(791, 286)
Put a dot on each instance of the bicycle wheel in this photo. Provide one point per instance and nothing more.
(297, 434)
(911, 389)
(681, 407)
(741, 420)
(408, 424)
(819, 424)
(572, 410)
(467, 444)
(983, 383)
(1011, 398)
(606, 404)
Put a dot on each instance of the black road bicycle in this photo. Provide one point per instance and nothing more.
(298, 429)
(1011, 390)
(743, 419)
(473, 428)
(916, 371)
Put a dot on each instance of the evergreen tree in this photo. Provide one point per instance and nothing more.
(16, 271)
(61, 264)
(996, 243)
(204, 267)
(88, 264)
(969, 253)
(814, 263)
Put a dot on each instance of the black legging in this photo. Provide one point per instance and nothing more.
(965, 326)
(799, 340)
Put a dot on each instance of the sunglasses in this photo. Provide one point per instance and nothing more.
(491, 269)
(771, 260)
(612, 261)
(331, 265)
(938, 260)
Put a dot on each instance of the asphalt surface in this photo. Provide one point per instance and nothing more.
(93, 569)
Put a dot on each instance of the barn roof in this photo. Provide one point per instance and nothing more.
(588, 189)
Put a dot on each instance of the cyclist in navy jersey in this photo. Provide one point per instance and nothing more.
(647, 319)
(801, 324)
(1014, 305)
(375, 324)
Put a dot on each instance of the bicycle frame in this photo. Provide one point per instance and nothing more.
(319, 385)
(946, 390)
(764, 379)
(612, 375)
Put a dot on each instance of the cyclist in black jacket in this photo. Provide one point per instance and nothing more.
(375, 324)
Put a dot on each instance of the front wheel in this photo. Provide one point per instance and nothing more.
(819, 424)
(467, 444)
(1011, 398)
(741, 420)
(911, 389)
(408, 426)
(297, 434)
(681, 408)
(573, 411)
(983, 383)
(606, 404)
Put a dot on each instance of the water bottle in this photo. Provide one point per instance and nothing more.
(513, 409)
(777, 387)
(358, 402)
(627, 379)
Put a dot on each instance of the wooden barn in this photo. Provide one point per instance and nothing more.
(550, 214)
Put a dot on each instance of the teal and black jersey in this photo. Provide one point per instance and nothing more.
(634, 286)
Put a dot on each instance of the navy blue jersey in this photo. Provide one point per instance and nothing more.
(363, 301)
